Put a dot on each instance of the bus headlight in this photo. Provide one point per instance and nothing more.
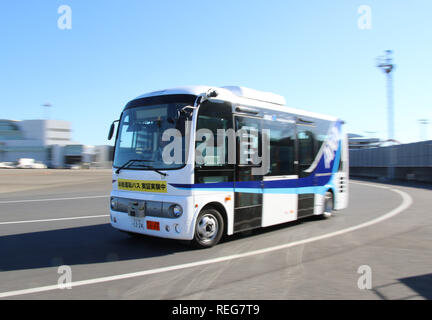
(176, 210)
(113, 203)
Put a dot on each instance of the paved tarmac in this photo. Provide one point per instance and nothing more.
(50, 218)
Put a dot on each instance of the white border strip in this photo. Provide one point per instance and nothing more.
(57, 219)
(406, 202)
(54, 199)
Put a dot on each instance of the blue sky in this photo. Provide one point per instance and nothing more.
(312, 52)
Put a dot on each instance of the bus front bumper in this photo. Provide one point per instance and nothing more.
(181, 228)
(152, 226)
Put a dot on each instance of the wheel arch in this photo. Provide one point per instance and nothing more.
(331, 190)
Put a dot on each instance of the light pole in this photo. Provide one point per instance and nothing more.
(385, 63)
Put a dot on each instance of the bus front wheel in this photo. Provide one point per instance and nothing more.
(208, 228)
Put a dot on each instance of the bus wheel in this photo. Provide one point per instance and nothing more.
(208, 229)
(328, 205)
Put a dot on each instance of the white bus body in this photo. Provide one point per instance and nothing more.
(308, 172)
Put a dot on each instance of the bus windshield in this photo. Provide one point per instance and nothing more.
(140, 136)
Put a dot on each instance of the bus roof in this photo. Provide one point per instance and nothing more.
(242, 96)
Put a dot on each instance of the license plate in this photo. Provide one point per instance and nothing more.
(138, 223)
(153, 225)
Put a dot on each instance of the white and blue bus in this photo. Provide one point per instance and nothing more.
(202, 187)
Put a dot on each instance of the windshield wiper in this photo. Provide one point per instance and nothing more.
(127, 163)
(152, 168)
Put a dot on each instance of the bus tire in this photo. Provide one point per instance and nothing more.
(328, 205)
(209, 228)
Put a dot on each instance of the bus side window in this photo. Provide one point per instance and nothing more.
(282, 138)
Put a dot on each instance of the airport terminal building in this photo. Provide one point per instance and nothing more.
(49, 142)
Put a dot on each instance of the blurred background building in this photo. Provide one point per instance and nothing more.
(48, 142)
(411, 161)
(356, 141)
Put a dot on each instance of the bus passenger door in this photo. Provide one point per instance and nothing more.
(248, 196)
(307, 182)
(280, 183)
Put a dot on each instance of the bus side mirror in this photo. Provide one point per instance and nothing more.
(111, 131)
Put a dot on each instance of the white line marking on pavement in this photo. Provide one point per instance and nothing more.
(54, 199)
(57, 219)
(406, 202)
